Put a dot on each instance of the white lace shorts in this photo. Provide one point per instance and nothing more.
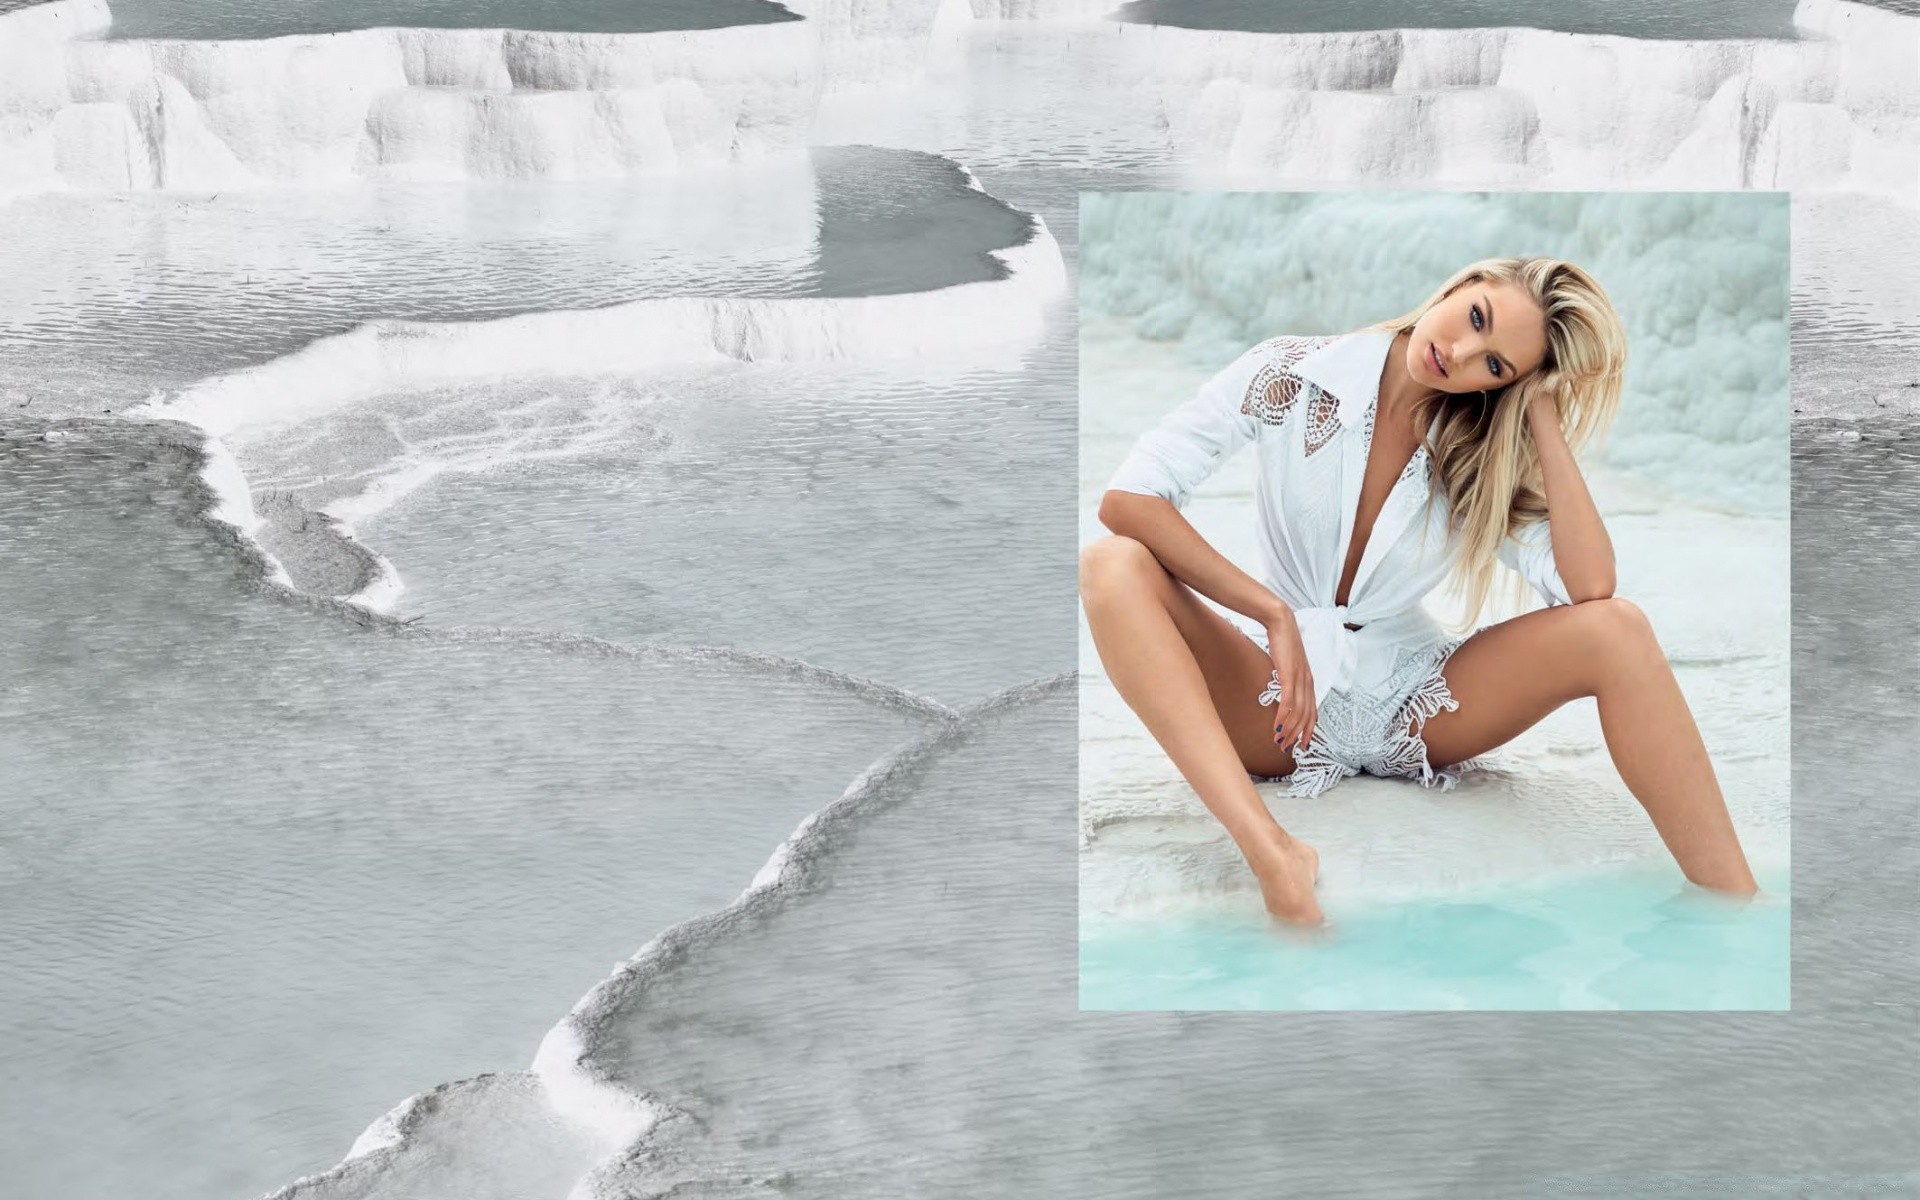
(1377, 728)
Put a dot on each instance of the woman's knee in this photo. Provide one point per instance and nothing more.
(1621, 630)
(1115, 565)
(1616, 615)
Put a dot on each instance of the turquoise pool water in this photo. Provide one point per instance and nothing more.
(1635, 937)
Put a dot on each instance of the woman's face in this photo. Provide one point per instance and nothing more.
(1485, 335)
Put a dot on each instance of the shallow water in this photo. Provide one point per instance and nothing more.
(231, 19)
(883, 522)
(104, 299)
(938, 489)
(1620, 18)
(1856, 265)
(267, 871)
(1631, 938)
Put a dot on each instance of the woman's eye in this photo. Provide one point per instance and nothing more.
(1493, 364)
(1476, 316)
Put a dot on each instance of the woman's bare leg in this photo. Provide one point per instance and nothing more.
(1195, 681)
(1510, 675)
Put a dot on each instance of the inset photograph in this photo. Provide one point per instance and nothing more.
(1434, 575)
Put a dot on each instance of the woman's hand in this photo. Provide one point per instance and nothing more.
(1541, 409)
(1582, 551)
(1296, 712)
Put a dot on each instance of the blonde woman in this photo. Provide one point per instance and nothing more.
(1387, 461)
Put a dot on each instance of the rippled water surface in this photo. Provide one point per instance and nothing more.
(107, 299)
(242, 837)
(1621, 18)
(913, 1014)
(858, 519)
(1856, 266)
(224, 19)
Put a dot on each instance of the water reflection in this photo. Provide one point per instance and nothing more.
(1660, 19)
(213, 20)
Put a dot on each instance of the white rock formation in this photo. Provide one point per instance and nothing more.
(1526, 107)
(387, 104)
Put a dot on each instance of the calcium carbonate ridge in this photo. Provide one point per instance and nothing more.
(981, 323)
(387, 104)
(1536, 108)
(1001, 318)
(1838, 111)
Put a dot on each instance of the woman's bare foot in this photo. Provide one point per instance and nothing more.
(1287, 871)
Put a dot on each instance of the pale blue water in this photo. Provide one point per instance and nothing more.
(1635, 937)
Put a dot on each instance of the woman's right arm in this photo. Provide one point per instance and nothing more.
(1144, 500)
(1156, 524)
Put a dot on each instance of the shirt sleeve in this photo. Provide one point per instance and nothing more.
(1188, 445)
(1529, 550)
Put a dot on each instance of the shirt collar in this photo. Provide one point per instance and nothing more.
(1348, 369)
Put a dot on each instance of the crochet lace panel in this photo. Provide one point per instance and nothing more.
(1323, 419)
(1275, 391)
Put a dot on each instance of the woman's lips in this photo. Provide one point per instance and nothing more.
(1433, 356)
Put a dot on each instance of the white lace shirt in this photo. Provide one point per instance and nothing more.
(1306, 407)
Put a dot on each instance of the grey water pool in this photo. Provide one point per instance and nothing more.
(267, 869)
(105, 300)
(236, 19)
(1708, 19)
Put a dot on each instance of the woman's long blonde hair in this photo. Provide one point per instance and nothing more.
(1483, 455)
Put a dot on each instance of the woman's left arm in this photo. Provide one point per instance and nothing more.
(1582, 551)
